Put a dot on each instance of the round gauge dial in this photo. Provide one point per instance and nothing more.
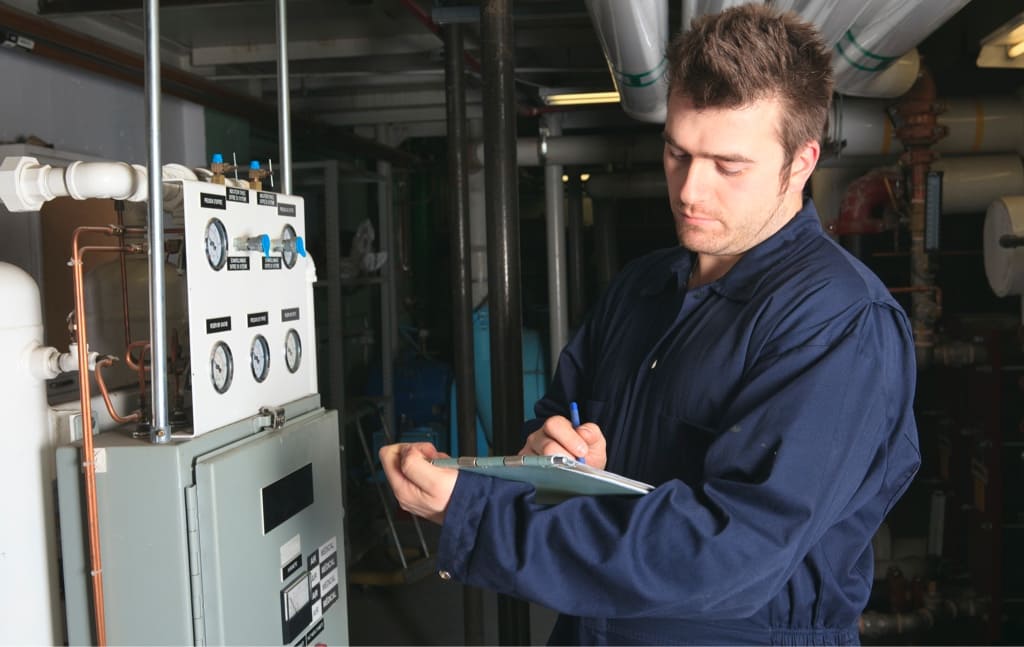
(289, 249)
(259, 356)
(222, 367)
(292, 350)
(216, 243)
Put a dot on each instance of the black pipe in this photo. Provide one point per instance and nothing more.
(606, 248)
(574, 217)
(462, 293)
(503, 272)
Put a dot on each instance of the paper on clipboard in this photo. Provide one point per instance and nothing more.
(555, 478)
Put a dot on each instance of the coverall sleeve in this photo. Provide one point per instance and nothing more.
(817, 431)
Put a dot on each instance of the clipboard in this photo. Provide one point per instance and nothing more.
(555, 477)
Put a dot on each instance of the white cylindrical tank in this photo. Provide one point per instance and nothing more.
(28, 542)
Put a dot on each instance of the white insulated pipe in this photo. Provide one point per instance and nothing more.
(971, 183)
(975, 124)
(883, 33)
(28, 543)
(633, 36)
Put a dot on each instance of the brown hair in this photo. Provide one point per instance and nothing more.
(752, 52)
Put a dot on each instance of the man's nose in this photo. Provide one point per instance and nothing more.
(694, 186)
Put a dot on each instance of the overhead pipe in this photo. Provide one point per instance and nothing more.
(990, 124)
(554, 224)
(883, 33)
(633, 37)
(503, 267)
(462, 301)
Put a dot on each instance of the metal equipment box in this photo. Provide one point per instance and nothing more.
(232, 537)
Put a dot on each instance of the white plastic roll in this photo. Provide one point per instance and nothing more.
(28, 538)
(1004, 266)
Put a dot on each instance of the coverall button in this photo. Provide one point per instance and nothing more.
(444, 575)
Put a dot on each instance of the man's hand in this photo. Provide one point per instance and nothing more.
(557, 436)
(420, 487)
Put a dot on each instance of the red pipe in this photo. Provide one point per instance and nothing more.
(863, 197)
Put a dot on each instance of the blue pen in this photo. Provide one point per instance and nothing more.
(574, 416)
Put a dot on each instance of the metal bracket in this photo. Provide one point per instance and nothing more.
(274, 418)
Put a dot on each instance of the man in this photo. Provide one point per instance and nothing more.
(757, 374)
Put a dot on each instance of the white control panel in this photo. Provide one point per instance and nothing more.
(250, 302)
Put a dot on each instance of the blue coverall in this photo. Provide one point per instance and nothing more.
(773, 410)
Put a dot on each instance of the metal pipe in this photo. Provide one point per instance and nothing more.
(606, 247)
(503, 272)
(577, 286)
(558, 298)
(159, 431)
(389, 275)
(462, 292)
(284, 110)
(88, 463)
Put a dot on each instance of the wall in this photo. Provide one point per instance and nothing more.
(79, 111)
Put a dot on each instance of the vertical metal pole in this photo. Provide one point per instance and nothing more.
(503, 272)
(577, 286)
(554, 199)
(389, 276)
(462, 301)
(284, 110)
(159, 431)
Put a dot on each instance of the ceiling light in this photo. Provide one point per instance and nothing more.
(581, 98)
(1004, 47)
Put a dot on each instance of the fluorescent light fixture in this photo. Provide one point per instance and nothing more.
(1004, 47)
(581, 98)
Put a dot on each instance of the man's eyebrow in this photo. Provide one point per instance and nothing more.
(720, 157)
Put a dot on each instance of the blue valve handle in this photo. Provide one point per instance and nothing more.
(265, 245)
(300, 246)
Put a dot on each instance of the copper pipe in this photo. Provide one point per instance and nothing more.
(134, 417)
(923, 288)
(119, 208)
(88, 453)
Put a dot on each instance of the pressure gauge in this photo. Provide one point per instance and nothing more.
(289, 246)
(292, 350)
(259, 356)
(222, 367)
(216, 243)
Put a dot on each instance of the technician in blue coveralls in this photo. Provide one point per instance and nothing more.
(760, 376)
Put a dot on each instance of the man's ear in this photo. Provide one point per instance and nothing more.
(804, 161)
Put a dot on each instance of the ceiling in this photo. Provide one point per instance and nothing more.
(358, 63)
(351, 62)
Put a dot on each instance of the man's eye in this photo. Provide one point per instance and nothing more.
(726, 170)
